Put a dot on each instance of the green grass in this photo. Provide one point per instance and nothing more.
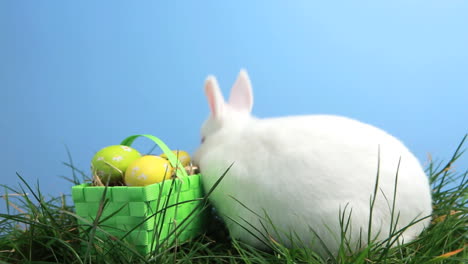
(37, 229)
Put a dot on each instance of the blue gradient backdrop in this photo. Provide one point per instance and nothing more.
(86, 74)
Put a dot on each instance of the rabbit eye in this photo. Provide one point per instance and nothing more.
(202, 140)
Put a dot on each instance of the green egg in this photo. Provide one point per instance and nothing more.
(110, 163)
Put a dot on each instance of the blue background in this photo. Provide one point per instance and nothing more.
(86, 74)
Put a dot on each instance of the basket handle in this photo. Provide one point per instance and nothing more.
(170, 155)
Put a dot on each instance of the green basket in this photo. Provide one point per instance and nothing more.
(171, 211)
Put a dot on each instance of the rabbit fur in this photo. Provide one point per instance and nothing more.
(293, 178)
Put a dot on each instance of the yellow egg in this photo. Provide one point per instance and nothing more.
(147, 170)
(183, 156)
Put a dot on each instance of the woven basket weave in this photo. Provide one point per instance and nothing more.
(146, 216)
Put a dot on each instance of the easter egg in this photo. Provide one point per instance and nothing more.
(110, 163)
(147, 170)
(183, 156)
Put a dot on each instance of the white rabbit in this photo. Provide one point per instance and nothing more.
(305, 173)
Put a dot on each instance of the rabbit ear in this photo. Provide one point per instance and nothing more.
(214, 96)
(241, 97)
